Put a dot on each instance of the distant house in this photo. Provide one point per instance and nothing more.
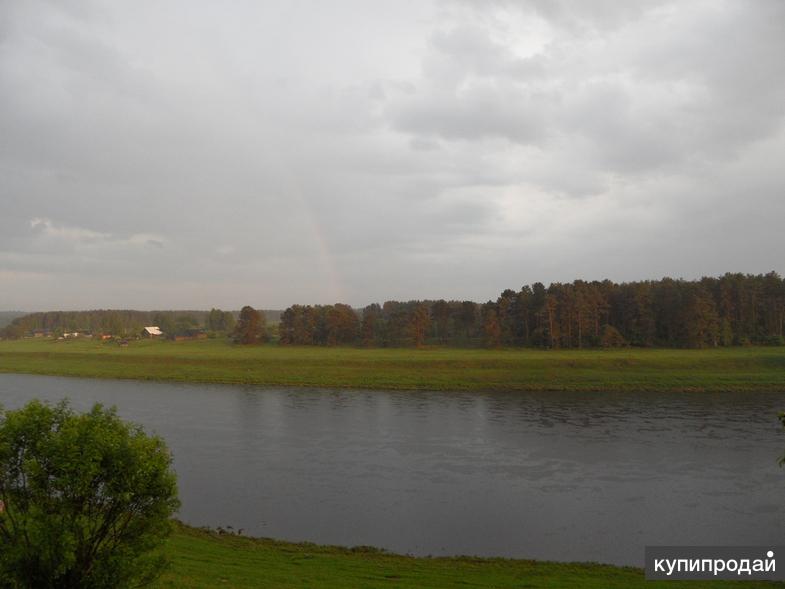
(152, 331)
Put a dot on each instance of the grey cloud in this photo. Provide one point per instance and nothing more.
(421, 144)
(636, 105)
(470, 91)
(186, 155)
(597, 15)
(478, 113)
(470, 49)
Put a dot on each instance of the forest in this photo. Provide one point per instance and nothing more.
(735, 309)
(731, 310)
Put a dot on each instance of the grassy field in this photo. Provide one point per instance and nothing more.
(202, 559)
(217, 361)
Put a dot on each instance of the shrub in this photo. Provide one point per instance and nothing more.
(86, 499)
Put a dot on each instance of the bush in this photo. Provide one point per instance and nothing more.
(86, 499)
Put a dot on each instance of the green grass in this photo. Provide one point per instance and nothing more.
(216, 361)
(205, 559)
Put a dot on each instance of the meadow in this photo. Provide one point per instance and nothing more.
(219, 361)
(202, 559)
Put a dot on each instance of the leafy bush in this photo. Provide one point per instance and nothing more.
(86, 499)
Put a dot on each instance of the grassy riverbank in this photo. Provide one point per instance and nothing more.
(201, 559)
(723, 369)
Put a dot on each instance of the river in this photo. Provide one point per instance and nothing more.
(556, 476)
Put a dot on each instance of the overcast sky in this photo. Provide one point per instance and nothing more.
(180, 154)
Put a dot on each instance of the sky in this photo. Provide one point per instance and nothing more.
(178, 154)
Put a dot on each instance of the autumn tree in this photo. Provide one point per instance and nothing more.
(419, 322)
(700, 323)
(250, 328)
(491, 326)
(372, 317)
(341, 325)
(507, 317)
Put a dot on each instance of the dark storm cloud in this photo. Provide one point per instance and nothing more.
(186, 155)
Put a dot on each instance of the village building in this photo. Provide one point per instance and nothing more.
(152, 332)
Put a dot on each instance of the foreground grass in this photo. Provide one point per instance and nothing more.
(217, 361)
(204, 559)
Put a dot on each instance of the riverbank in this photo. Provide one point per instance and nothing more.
(217, 361)
(203, 559)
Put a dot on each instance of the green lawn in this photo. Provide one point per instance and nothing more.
(723, 369)
(201, 559)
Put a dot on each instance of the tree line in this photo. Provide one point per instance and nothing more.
(731, 310)
(735, 309)
(121, 323)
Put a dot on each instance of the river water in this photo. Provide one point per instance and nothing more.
(530, 475)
